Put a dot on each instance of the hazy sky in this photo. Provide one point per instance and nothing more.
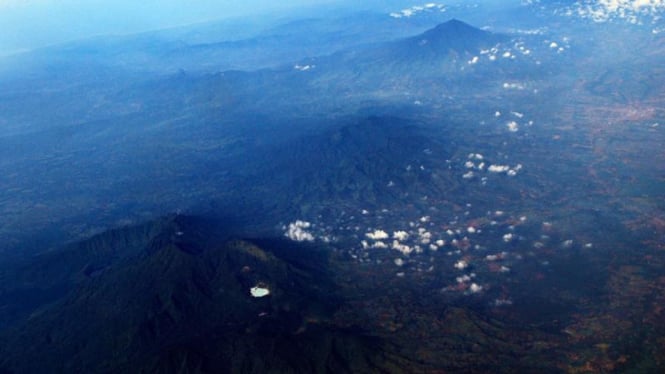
(30, 23)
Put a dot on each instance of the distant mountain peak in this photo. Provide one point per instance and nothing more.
(454, 23)
(455, 29)
(455, 35)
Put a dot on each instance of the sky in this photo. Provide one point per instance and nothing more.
(26, 24)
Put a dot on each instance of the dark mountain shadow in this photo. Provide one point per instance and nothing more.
(174, 295)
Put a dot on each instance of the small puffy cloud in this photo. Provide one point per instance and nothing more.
(303, 67)
(405, 249)
(400, 235)
(377, 235)
(298, 231)
(475, 288)
(502, 302)
(465, 278)
(498, 168)
(631, 11)
(513, 126)
(259, 291)
(416, 9)
(425, 237)
(513, 86)
(380, 245)
(461, 265)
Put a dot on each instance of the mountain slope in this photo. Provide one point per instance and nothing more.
(186, 305)
(451, 37)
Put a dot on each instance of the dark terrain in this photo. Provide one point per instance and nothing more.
(468, 200)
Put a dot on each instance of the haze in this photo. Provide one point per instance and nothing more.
(29, 24)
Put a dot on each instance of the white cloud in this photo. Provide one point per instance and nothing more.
(631, 11)
(498, 168)
(461, 265)
(425, 237)
(379, 245)
(405, 249)
(377, 235)
(303, 67)
(416, 9)
(513, 86)
(474, 288)
(258, 291)
(298, 231)
(502, 302)
(463, 279)
(400, 235)
(513, 126)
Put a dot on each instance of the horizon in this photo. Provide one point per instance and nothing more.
(32, 25)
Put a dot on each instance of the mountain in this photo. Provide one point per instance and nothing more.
(374, 160)
(245, 44)
(183, 301)
(453, 36)
(434, 57)
(451, 39)
(48, 276)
